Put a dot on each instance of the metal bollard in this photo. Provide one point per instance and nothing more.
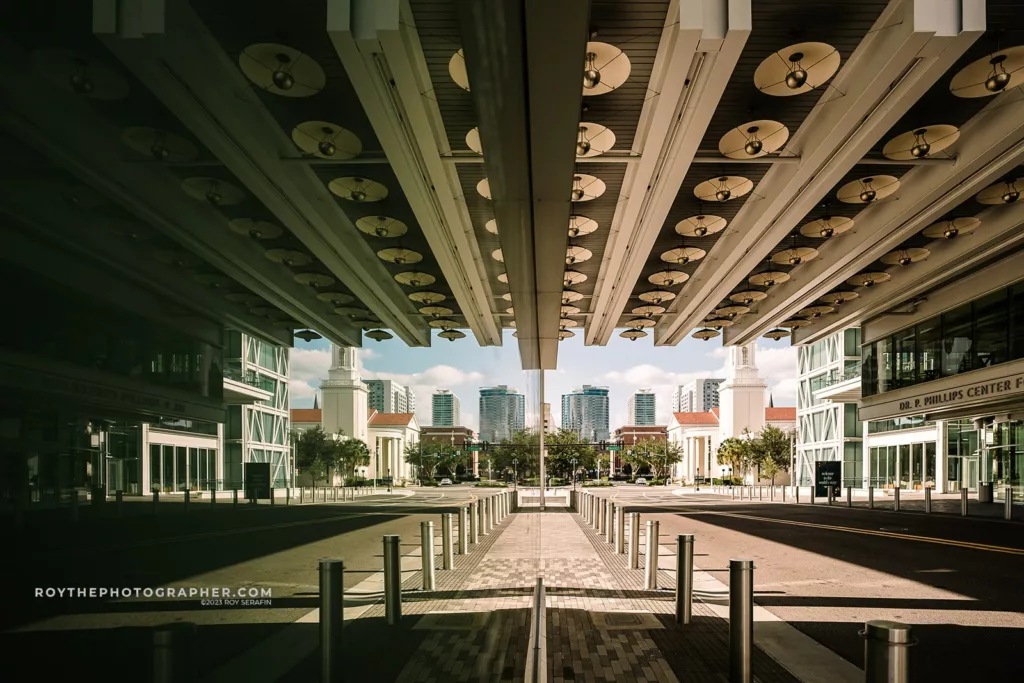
(963, 501)
(796, 493)
(896, 499)
(849, 496)
(174, 653)
(119, 502)
(287, 495)
(760, 493)
(651, 560)
(156, 501)
(1008, 502)
(784, 494)
(812, 494)
(427, 551)
(771, 494)
(448, 556)
(886, 651)
(234, 497)
(634, 540)
(474, 523)
(463, 531)
(602, 505)
(684, 578)
(332, 620)
(620, 530)
(871, 497)
(609, 522)
(188, 497)
(273, 495)
(483, 517)
(927, 499)
(741, 619)
(302, 494)
(733, 491)
(392, 579)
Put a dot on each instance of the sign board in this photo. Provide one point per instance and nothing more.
(827, 475)
(257, 480)
(614, 447)
(473, 447)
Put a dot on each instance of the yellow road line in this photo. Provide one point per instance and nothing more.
(870, 532)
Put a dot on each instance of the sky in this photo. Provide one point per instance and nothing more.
(463, 367)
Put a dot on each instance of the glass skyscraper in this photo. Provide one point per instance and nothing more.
(585, 411)
(445, 409)
(641, 408)
(502, 413)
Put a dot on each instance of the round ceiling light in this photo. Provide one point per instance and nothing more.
(565, 334)
(503, 277)
(904, 257)
(633, 335)
(254, 228)
(381, 226)
(648, 311)
(399, 256)
(657, 296)
(753, 139)
(706, 334)
(593, 139)
(717, 323)
(315, 280)
(777, 334)
(178, 259)
(473, 140)
(605, 68)
(564, 323)
(569, 296)
(748, 296)
(920, 142)
(491, 226)
(213, 191)
(951, 228)
(794, 256)
(457, 69)
(668, 278)
(722, 189)
(326, 140)
(436, 311)
(246, 298)
(215, 280)
(307, 335)
(586, 187)
(158, 145)
(683, 255)
(336, 298)
(867, 190)
(573, 277)
(378, 335)
(451, 335)
(574, 254)
(1004, 192)
(731, 311)
(867, 279)
(412, 278)
(700, 225)
(825, 228)
(288, 257)
(815, 311)
(357, 189)
(768, 279)
(989, 75)
(638, 323)
(838, 298)
(282, 70)
(352, 311)
(498, 256)
(794, 323)
(80, 74)
(426, 298)
(569, 310)
(443, 324)
(581, 225)
(483, 188)
(797, 69)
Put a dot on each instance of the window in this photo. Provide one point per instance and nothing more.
(168, 457)
(851, 342)
(181, 468)
(929, 349)
(904, 357)
(956, 341)
(991, 319)
(1016, 306)
(193, 468)
(869, 371)
(154, 467)
(851, 423)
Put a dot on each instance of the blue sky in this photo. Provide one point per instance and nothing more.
(623, 366)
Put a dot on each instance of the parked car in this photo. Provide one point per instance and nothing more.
(446, 482)
(641, 481)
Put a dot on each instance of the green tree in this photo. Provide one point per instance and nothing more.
(565, 445)
(316, 453)
(352, 453)
(426, 456)
(734, 452)
(522, 446)
(653, 455)
(770, 452)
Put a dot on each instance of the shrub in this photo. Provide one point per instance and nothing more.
(603, 482)
(491, 485)
(429, 482)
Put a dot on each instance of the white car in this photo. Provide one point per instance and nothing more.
(641, 482)
(446, 482)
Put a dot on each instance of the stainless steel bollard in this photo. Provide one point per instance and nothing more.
(760, 493)
(620, 530)
(609, 522)
(871, 497)
(784, 494)
(392, 579)
(594, 501)
(796, 494)
(1008, 502)
(119, 502)
(634, 540)
(302, 494)
(886, 651)
(602, 505)
(741, 620)
(474, 522)
(463, 531)
(273, 495)
(733, 491)
(174, 653)
(771, 494)
(332, 620)
(427, 552)
(684, 578)
(896, 499)
(651, 560)
(448, 555)
(188, 497)
(963, 501)
(156, 501)
(927, 499)
(849, 496)
(483, 517)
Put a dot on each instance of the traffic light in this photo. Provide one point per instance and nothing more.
(486, 446)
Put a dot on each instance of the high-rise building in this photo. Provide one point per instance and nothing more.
(502, 413)
(549, 424)
(698, 396)
(585, 411)
(641, 408)
(445, 409)
(388, 396)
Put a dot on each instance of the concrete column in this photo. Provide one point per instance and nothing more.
(941, 448)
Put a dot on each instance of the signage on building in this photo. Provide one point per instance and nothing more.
(980, 387)
(827, 475)
(257, 480)
(473, 447)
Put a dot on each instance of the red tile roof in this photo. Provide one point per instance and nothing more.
(307, 415)
(780, 414)
(697, 418)
(390, 419)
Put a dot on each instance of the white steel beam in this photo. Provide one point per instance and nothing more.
(377, 43)
(912, 44)
(189, 72)
(991, 144)
(700, 45)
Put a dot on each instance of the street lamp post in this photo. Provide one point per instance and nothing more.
(515, 474)
(573, 463)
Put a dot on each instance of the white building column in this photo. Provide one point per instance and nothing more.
(941, 450)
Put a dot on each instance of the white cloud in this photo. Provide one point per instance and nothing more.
(425, 383)
(308, 367)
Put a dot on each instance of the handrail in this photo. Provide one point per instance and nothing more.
(537, 649)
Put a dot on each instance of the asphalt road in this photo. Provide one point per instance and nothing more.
(827, 570)
(262, 547)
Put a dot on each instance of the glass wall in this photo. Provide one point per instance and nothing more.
(963, 455)
(979, 334)
(907, 466)
(1007, 457)
(174, 469)
(898, 424)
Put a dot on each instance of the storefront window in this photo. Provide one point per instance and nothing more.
(956, 341)
(193, 469)
(154, 468)
(929, 349)
(1016, 306)
(929, 465)
(916, 465)
(904, 358)
(168, 482)
(991, 329)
